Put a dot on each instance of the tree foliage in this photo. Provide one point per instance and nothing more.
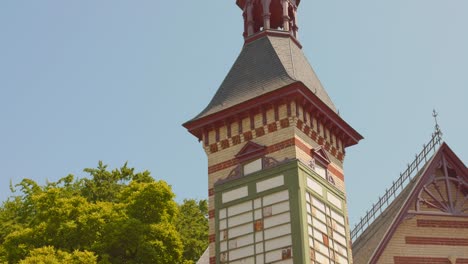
(116, 216)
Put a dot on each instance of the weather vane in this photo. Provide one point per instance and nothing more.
(437, 127)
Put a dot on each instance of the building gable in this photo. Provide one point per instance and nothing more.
(440, 189)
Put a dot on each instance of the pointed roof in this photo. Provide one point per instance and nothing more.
(249, 151)
(371, 243)
(264, 65)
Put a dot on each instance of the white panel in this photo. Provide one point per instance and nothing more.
(273, 255)
(258, 236)
(309, 219)
(341, 260)
(309, 230)
(240, 208)
(339, 238)
(276, 220)
(253, 166)
(250, 260)
(240, 219)
(222, 224)
(322, 259)
(235, 194)
(259, 248)
(318, 204)
(307, 197)
(339, 228)
(241, 253)
(337, 217)
(321, 171)
(275, 197)
(260, 259)
(270, 183)
(321, 248)
(334, 200)
(280, 242)
(240, 230)
(232, 244)
(308, 209)
(223, 246)
(280, 208)
(314, 186)
(258, 214)
(257, 203)
(244, 240)
(319, 215)
(286, 261)
(318, 235)
(222, 213)
(277, 231)
(340, 249)
(320, 226)
(311, 242)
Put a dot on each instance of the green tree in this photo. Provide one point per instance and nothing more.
(48, 255)
(116, 216)
(193, 228)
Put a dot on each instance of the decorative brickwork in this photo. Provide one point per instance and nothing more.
(213, 260)
(442, 223)
(211, 214)
(212, 238)
(236, 140)
(441, 241)
(248, 136)
(225, 144)
(428, 260)
(420, 260)
(259, 132)
(214, 147)
(272, 127)
(284, 123)
(299, 124)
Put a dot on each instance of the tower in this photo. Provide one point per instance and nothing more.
(275, 145)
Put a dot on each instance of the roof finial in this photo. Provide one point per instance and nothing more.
(437, 127)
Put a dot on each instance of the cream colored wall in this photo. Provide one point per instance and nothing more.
(398, 247)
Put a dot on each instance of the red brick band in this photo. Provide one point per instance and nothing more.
(212, 238)
(426, 260)
(211, 214)
(213, 260)
(336, 172)
(442, 223)
(441, 241)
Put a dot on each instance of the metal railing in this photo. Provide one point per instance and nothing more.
(397, 186)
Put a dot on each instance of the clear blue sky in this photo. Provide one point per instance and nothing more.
(111, 80)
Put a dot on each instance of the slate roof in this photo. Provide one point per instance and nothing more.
(264, 65)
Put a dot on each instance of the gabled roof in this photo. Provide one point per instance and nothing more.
(265, 65)
(371, 243)
(205, 258)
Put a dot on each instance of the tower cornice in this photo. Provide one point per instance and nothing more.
(293, 92)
